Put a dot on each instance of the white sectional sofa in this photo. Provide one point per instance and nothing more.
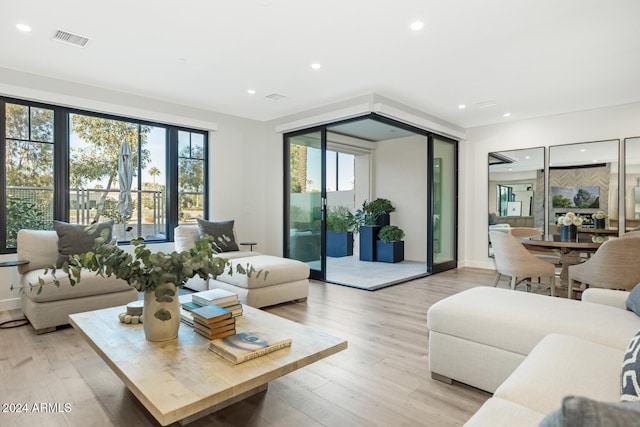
(530, 350)
(52, 306)
(287, 279)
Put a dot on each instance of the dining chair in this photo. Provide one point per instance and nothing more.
(613, 266)
(514, 260)
(548, 255)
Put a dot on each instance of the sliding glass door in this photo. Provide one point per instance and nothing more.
(442, 244)
(306, 199)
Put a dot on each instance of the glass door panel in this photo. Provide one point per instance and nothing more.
(443, 244)
(306, 201)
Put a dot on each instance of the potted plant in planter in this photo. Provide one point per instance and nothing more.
(390, 247)
(380, 209)
(365, 225)
(340, 223)
(157, 274)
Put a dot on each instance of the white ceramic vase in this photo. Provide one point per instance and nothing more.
(156, 329)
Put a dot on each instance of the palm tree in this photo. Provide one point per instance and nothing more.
(154, 171)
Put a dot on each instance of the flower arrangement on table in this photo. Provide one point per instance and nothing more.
(570, 218)
(599, 215)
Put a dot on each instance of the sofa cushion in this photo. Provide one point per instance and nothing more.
(280, 270)
(564, 365)
(517, 321)
(39, 247)
(222, 233)
(498, 412)
(631, 371)
(77, 238)
(633, 300)
(90, 284)
(583, 412)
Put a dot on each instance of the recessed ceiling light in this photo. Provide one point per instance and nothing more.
(251, 91)
(527, 157)
(23, 27)
(316, 66)
(462, 106)
(582, 150)
(506, 114)
(417, 25)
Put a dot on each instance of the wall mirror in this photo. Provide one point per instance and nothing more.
(583, 179)
(632, 183)
(516, 189)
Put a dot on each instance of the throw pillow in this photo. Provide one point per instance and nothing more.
(493, 218)
(584, 412)
(633, 300)
(631, 371)
(76, 239)
(222, 233)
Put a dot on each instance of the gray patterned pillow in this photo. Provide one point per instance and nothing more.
(76, 239)
(631, 371)
(222, 233)
(584, 412)
(633, 300)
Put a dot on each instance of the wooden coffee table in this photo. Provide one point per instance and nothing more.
(181, 380)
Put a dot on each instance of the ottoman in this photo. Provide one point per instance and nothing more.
(287, 280)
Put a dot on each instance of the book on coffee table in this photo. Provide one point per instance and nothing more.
(216, 296)
(245, 346)
(210, 314)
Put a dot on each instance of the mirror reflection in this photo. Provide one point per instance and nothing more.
(516, 189)
(632, 184)
(583, 179)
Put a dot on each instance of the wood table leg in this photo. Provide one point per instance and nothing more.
(224, 404)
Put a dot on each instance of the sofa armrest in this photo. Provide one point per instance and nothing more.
(610, 297)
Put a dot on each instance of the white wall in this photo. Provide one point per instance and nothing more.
(245, 171)
(593, 125)
(400, 175)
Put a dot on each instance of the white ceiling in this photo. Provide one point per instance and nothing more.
(532, 57)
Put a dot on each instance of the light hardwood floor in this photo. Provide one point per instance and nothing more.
(382, 379)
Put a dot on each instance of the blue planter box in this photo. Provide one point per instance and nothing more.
(339, 243)
(368, 238)
(390, 252)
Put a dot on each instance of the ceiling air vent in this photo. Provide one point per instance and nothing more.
(70, 38)
(485, 104)
(275, 96)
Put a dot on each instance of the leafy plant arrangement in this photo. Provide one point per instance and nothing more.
(370, 211)
(379, 207)
(148, 271)
(391, 233)
(339, 218)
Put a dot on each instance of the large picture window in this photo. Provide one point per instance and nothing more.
(64, 164)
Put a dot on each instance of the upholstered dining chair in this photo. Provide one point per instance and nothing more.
(613, 266)
(514, 260)
(548, 255)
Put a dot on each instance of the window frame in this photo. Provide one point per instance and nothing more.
(61, 144)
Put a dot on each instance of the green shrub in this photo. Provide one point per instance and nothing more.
(339, 218)
(390, 233)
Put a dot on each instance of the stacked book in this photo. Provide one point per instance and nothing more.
(245, 346)
(213, 322)
(220, 297)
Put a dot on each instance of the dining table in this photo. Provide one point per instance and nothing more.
(570, 251)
